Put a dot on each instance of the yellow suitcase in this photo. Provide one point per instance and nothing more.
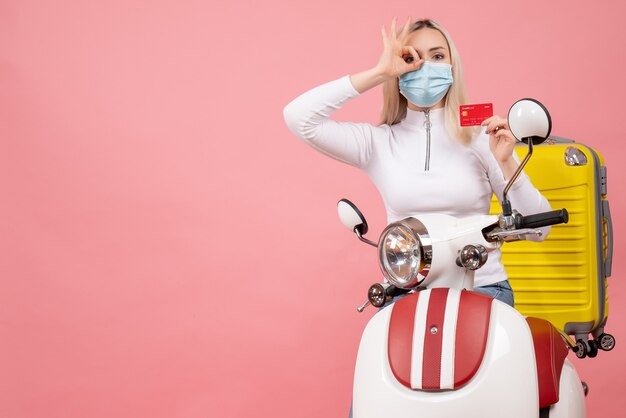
(564, 278)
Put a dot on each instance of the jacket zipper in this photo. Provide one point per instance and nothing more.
(427, 124)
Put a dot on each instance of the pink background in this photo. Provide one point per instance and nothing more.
(170, 250)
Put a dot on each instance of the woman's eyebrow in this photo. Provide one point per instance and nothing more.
(436, 48)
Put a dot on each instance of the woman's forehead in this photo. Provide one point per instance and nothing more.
(427, 38)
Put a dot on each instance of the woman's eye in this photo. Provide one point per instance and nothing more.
(408, 59)
(438, 57)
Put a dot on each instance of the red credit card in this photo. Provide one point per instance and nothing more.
(475, 114)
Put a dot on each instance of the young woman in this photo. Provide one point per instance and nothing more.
(419, 157)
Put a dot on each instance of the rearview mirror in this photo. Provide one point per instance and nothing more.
(529, 120)
(351, 217)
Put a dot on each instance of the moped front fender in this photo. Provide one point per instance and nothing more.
(505, 383)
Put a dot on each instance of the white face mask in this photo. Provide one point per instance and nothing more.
(427, 85)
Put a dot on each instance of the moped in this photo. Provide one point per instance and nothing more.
(438, 349)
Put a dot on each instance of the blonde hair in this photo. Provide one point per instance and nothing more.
(395, 104)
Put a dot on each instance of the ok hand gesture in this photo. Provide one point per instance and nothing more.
(397, 57)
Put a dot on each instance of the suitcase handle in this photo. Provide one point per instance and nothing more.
(606, 215)
(539, 220)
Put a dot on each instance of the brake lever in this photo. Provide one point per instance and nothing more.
(514, 234)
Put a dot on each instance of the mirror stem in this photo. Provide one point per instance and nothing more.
(365, 240)
(506, 205)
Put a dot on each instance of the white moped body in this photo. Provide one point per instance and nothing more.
(501, 382)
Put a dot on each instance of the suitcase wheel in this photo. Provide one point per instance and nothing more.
(581, 349)
(606, 342)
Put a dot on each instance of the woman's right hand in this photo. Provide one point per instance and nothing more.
(397, 57)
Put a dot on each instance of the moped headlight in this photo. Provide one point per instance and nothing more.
(405, 253)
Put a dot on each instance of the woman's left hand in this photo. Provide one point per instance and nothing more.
(501, 140)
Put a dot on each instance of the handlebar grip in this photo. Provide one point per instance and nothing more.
(539, 220)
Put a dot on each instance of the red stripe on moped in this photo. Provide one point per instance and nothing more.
(400, 341)
(472, 330)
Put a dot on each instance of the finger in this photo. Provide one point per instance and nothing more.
(505, 135)
(489, 124)
(486, 121)
(490, 127)
(405, 28)
(393, 33)
(495, 120)
(496, 124)
(504, 121)
(407, 51)
(384, 34)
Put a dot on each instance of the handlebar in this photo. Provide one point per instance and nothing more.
(539, 220)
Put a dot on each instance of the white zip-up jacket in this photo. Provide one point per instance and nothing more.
(413, 178)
